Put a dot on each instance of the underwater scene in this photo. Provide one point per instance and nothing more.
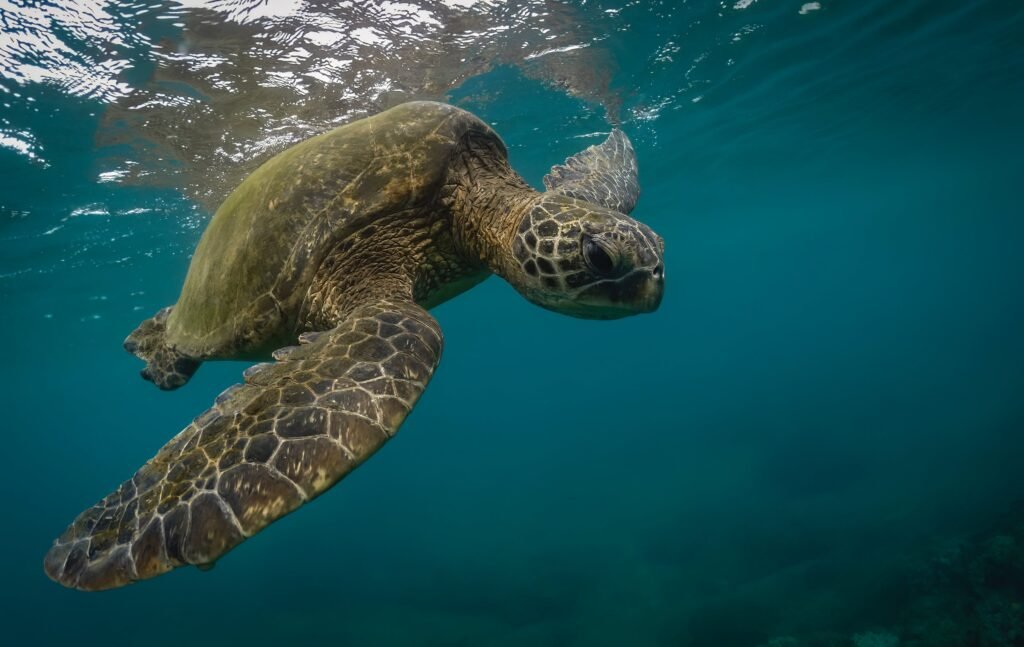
(811, 433)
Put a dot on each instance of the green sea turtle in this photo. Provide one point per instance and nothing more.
(342, 243)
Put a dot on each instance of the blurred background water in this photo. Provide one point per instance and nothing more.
(817, 440)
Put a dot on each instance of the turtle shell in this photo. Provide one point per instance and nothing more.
(255, 261)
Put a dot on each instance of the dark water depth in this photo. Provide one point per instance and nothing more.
(817, 440)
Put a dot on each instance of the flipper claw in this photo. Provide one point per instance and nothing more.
(284, 353)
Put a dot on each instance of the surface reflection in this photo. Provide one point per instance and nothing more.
(199, 92)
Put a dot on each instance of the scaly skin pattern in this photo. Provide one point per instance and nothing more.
(535, 240)
(166, 366)
(266, 447)
(553, 272)
(605, 174)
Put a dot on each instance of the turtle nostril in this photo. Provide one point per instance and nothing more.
(658, 271)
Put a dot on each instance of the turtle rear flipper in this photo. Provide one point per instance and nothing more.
(605, 174)
(166, 366)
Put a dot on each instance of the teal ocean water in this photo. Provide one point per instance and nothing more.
(818, 439)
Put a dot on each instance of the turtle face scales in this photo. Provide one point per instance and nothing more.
(587, 261)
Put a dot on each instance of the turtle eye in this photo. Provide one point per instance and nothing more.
(597, 256)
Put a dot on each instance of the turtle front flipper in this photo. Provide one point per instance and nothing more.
(290, 432)
(605, 174)
(166, 366)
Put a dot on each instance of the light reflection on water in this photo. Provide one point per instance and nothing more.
(191, 95)
(202, 91)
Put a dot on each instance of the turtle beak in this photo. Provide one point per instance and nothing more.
(638, 292)
(652, 289)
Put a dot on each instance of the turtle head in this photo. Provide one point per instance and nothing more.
(584, 260)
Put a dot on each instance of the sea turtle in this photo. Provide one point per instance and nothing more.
(342, 243)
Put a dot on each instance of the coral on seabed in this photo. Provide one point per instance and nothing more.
(963, 593)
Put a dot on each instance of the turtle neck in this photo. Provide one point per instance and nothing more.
(487, 200)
